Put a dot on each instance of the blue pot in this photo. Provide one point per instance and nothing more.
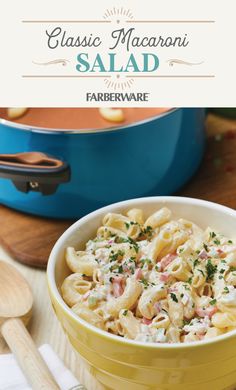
(79, 171)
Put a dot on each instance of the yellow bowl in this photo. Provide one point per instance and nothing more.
(128, 365)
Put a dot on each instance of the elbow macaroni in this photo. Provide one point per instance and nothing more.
(80, 262)
(155, 280)
(127, 299)
(74, 287)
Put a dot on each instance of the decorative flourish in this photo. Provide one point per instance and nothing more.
(118, 13)
(118, 84)
(174, 61)
(61, 61)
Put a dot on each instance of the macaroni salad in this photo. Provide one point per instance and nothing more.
(155, 280)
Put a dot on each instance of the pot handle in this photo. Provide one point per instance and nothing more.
(34, 171)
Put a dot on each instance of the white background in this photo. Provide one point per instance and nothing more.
(214, 44)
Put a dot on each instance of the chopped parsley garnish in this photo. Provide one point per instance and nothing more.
(130, 241)
(144, 282)
(197, 252)
(131, 260)
(196, 262)
(190, 280)
(174, 297)
(232, 269)
(230, 242)
(226, 290)
(147, 231)
(125, 312)
(221, 277)
(145, 261)
(120, 240)
(200, 270)
(186, 322)
(127, 225)
(120, 269)
(182, 295)
(116, 256)
(212, 234)
(113, 267)
(205, 247)
(211, 270)
(135, 245)
(181, 250)
(222, 270)
(217, 242)
(212, 302)
(186, 287)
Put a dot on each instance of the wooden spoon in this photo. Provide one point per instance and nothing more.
(16, 303)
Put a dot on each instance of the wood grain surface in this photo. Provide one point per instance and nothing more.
(45, 328)
(216, 178)
(27, 238)
(16, 301)
(27, 355)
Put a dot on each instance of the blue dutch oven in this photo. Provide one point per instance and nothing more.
(67, 174)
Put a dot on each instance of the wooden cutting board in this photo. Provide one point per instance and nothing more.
(30, 239)
(216, 178)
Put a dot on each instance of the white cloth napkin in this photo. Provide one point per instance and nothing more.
(12, 378)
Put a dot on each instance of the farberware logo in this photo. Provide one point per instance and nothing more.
(117, 97)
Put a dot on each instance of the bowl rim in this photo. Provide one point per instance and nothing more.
(114, 338)
(47, 130)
